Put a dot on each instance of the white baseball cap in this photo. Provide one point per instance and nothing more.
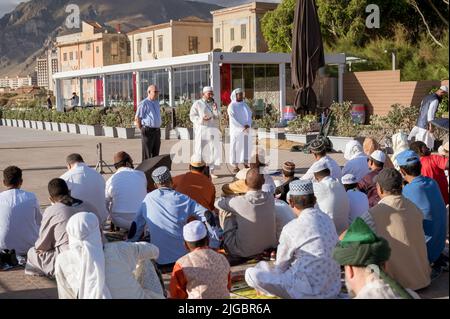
(194, 231)
(378, 156)
(444, 88)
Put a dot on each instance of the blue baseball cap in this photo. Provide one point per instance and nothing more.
(407, 157)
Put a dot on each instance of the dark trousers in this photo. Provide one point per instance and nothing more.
(151, 142)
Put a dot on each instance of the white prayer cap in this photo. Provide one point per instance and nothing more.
(300, 187)
(242, 174)
(238, 90)
(319, 166)
(349, 179)
(378, 156)
(444, 88)
(207, 89)
(194, 231)
(278, 182)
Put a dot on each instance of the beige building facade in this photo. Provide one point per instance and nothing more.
(46, 66)
(238, 29)
(95, 46)
(174, 38)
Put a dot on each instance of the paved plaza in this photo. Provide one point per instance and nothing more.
(41, 155)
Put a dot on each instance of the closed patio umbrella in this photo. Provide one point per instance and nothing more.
(307, 55)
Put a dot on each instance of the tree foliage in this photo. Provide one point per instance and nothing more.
(406, 27)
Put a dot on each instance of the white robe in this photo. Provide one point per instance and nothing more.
(304, 267)
(240, 142)
(207, 136)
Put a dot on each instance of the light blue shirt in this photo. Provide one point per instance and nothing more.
(425, 194)
(165, 212)
(149, 113)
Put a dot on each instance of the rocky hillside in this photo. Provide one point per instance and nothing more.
(27, 31)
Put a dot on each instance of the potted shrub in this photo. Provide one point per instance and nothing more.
(47, 118)
(80, 118)
(125, 128)
(14, 118)
(184, 126)
(34, 117)
(342, 128)
(21, 118)
(55, 121)
(27, 118)
(63, 120)
(298, 129)
(93, 122)
(268, 126)
(166, 123)
(110, 122)
(72, 122)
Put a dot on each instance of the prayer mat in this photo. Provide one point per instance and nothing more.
(240, 290)
(277, 144)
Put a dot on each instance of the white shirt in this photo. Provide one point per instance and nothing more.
(357, 166)
(89, 186)
(283, 215)
(304, 256)
(332, 199)
(335, 169)
(20, 219)
(359, 204)
(125, 191)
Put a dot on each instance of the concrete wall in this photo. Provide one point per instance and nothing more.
(378, 90)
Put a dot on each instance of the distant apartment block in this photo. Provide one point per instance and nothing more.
(190, 35)
(95, 46)
(18, 81)
(46, 66)
(238, 29)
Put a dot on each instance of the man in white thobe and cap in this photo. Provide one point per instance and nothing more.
(331, 196)
(240, 117)
(304, 267)
(204, 115)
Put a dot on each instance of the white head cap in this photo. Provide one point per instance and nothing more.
(207, 89)
(349, 179)
(378, 156)
(444, 88)
(194, 231)
(319, 166)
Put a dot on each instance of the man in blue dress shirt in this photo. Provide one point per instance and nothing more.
(425, 194)
(165, 212)
(148, 120)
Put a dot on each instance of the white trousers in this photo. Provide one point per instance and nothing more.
(207, 145)
(240, 148)
(267, 280)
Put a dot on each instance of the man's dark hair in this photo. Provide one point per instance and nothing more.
(74, 158)
(414, 169)
(350, 186)
(321, 153)
(12, 176)
(377, 163)
(197, 169)
(420, 148)
(390, 181)
(326, 172)
(57, 188)
(288, 173)
(199, 243)
(303, 201)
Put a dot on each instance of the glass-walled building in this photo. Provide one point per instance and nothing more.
(264, 77)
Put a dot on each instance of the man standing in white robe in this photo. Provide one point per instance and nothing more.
(304, 267)
(204, 115)
(240, 117)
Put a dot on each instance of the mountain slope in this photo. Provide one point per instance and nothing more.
(27, 31)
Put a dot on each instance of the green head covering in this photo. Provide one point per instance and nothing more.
(360, 247)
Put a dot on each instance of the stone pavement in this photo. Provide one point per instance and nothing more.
(41, 155)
